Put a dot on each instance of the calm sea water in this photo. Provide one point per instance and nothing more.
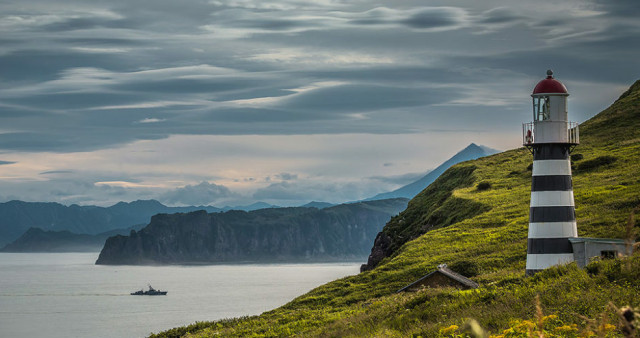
(66, 295)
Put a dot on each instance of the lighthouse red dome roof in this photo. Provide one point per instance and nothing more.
(550, 85)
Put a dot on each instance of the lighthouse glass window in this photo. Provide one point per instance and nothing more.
(541, 108)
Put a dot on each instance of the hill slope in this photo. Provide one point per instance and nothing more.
(490, 245)
(471, 152)
(276, 234)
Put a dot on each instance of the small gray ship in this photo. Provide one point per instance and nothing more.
(150, 292)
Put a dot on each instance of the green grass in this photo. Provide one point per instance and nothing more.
(455, 222)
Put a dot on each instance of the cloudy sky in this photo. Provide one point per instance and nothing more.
(228, 102)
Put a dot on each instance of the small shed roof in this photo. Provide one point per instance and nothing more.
(444, 270)
(596, 240)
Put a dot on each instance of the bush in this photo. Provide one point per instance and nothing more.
(576, 157)
(483, 186)
(513, 173)
(596, 162)
(466, 268)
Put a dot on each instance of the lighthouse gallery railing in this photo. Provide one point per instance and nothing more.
(529, 133)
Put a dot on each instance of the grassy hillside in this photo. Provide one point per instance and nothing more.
(475, 218)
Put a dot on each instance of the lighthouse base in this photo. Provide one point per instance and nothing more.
(539, 262)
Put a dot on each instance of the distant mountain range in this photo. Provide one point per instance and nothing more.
(250, 207)
(38, 240)
(318, 205)
(471, 152)
(16, 217)
(340, 232)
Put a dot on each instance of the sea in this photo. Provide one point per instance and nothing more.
(67, 295)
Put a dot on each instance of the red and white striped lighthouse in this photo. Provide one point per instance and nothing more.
(550, 138)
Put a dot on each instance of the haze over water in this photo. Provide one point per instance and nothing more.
(66, 295)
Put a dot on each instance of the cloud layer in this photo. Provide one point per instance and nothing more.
(85, 81)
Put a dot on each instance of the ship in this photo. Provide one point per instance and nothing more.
(150, 292)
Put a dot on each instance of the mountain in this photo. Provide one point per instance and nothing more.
(250, 207)
(318, 205)
(471, 152)
(267, 235)
(16, 217)
(490, 246)
(38, 240)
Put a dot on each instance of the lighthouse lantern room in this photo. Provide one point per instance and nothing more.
(550, 138)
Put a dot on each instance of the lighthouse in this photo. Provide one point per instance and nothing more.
(550, 138)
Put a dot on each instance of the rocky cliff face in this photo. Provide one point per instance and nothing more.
(282, 234)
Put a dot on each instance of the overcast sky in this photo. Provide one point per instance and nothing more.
(234, 101)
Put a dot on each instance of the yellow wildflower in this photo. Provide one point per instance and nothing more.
(566, 329)
(449, 330)
(607, 327)
(548, 318)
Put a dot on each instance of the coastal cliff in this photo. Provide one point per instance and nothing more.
(269, 235)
